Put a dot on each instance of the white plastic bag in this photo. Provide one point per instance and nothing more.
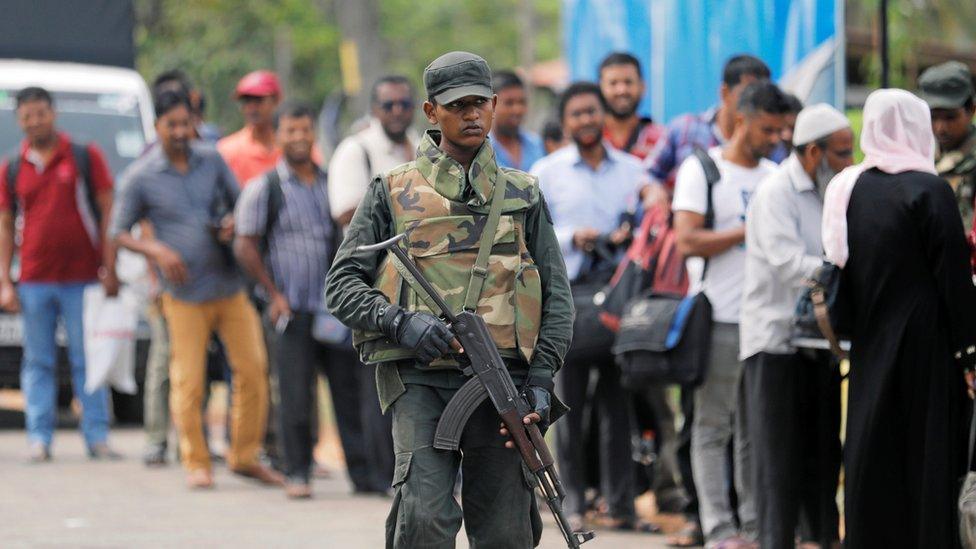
(110, 339)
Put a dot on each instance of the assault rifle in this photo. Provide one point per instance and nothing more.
(490, 380)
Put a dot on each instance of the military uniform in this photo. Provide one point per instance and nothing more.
(958, 167)
(526, 303)
(950, 86)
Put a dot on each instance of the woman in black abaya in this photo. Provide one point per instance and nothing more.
(894, 227)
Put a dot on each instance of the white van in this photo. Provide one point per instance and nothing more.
(110, 106)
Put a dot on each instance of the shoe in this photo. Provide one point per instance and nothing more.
(155, 456)
(39, 452)
(102, 451)
(734, 542)
(689, 536)
(200, 479)
(629, 525)
(298, 490)
(261, 474)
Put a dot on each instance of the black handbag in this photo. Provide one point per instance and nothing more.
(820, 310)
(591, 339)
(664, 339)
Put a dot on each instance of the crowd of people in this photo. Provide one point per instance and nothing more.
(241, 233)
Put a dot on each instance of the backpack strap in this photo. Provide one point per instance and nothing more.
(13, 170)
(712, 176)
(479, 273)
(276, 198)
(366, 158)
(83, 164)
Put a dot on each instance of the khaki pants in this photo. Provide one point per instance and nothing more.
(238, 327)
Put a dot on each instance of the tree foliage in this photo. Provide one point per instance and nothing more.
(218, 41)
(912, 23)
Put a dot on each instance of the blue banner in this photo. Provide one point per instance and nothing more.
(683, 44)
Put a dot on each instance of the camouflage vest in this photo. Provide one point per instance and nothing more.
(958, 167)
(443, 215)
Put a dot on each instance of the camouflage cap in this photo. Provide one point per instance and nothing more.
(455, 75)
(946, 86)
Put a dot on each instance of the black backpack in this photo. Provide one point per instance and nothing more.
(82, 162)
(276, 198)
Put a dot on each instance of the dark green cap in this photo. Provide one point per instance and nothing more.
(455, 75)
(946, 86)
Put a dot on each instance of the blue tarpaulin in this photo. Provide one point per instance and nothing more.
(683, 44)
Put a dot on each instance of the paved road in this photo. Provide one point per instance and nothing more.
(73, 502)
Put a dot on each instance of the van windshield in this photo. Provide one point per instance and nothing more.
(111, 120)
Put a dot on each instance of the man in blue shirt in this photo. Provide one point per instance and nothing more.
(589, 187)
(514, 147)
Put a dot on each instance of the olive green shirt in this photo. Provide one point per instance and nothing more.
(352, 298)
(958, 167)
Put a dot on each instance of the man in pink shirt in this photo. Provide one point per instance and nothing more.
(251, 151)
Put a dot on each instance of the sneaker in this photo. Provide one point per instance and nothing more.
(102, 451)
(155, 456)
(39, 452)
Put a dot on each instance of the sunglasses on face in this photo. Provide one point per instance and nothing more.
(404, 104)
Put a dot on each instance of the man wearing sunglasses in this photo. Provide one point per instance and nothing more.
(387, 142)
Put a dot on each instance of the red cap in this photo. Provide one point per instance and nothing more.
(259, 84)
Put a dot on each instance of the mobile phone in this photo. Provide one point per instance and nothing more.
(282, 324)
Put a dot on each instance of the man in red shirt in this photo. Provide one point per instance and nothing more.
(622, 86)
(63, 191)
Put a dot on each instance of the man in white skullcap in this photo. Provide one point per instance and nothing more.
(794, 395)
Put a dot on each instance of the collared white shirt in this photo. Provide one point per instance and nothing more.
(783, 248)
(361, 157)
(580, 196)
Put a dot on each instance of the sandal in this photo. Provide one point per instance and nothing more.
(689, 536)
(631, 525)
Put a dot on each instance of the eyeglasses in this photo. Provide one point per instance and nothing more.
(404, 104)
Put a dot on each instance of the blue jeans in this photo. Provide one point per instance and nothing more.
(41, 304)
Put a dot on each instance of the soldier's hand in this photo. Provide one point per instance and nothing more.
(529, 419)
(425, 334)
(540, 400)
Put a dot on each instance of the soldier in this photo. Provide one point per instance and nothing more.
(441, 200)
(948, 89)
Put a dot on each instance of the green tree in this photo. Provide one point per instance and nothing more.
(218, 41)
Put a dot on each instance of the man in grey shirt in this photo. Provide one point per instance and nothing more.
(286, 239)
(794, 413)
(186, 192)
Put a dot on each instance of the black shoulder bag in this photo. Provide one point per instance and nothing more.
(666, 338)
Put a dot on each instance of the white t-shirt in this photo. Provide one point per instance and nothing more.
(730, 197)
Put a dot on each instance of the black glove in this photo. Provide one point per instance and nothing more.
(425, 334)
(540, 401)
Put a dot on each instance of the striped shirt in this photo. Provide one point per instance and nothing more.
(299, 243)
(684, 135)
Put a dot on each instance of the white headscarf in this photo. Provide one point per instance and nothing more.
(896, 137)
